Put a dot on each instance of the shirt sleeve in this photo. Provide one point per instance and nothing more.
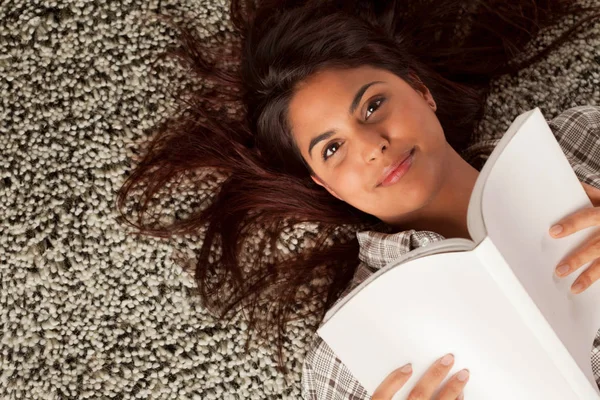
(577, 131)
(324, 377)
(596, 358)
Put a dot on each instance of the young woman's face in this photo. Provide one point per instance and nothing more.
(372, 119)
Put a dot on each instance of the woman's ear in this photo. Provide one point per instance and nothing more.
(424, 91)
(319, 182)
(429, 99)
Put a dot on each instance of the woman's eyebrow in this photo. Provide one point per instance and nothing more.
(358, 96)
(355, 102)
(317, 139)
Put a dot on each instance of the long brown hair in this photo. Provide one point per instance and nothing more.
(236, 124)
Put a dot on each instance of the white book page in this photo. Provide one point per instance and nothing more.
(584, 387)
(530, 186)
(446, 245)
(418, 311)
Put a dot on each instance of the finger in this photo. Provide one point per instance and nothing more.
(577, 221)
(453, 388)
(392, 383)
(586, 252)
(432, 378)
(587, 277)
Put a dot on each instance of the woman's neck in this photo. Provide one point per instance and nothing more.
(446, 213)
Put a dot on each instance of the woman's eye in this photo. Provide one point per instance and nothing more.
(373, 106)
(326, 155)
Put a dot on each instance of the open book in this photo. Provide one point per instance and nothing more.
(493, 301)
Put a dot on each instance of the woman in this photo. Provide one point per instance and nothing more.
(329, 97)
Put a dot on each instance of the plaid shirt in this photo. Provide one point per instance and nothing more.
(324, 377)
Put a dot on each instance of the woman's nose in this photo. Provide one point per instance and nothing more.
(373, 145)
(378, 151)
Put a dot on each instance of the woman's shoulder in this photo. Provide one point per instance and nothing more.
(577, 119)
(577, 129)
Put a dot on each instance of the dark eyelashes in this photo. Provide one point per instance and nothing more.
(329, 146)
(378, 101)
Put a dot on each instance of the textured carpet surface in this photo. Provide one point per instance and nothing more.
(88, 310)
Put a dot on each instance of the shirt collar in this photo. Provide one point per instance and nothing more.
(377, 248)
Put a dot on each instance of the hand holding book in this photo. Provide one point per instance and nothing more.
(429, 383)
(587, 251)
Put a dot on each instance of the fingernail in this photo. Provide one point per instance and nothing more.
(407, 369)
(556, 229)
(576, 288)
(447, 359)
(562, 269)
(463, 375)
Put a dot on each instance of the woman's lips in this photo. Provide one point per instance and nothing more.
(398, 172)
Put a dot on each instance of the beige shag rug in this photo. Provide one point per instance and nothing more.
(88, 310)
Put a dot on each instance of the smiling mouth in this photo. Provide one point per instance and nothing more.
(398, 170)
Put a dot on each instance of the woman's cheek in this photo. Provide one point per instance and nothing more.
(348, 184)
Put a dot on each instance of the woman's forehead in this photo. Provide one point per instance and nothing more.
(344, 78)
(329, 93)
